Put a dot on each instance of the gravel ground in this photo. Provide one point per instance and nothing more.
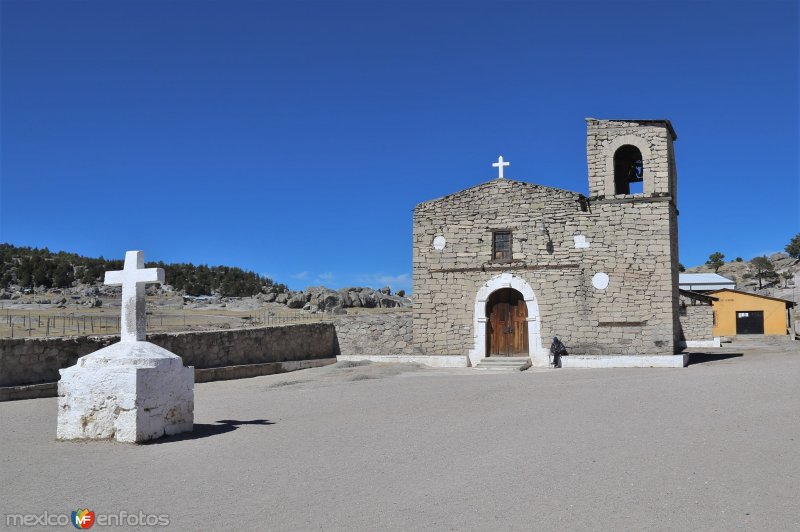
(715, 446)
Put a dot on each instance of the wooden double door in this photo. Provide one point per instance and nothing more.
(506, 324)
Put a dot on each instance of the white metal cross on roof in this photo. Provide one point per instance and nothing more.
(499, 165)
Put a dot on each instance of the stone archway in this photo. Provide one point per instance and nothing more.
(537, 353)
(506, 324)
(647, 159)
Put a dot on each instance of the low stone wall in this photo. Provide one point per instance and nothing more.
(375, 334)
(697, 323)
(236, 347)
(37, 360)
(28, 361)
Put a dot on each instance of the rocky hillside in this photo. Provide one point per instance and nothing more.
(312, 299)
(319, 298)
(743, 273)
(32, 276)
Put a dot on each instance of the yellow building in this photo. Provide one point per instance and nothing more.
(738, 312)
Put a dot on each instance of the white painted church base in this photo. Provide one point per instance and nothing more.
(433, 361)
(129, 391)
(538, 360)
(714, 342)
(625, 361)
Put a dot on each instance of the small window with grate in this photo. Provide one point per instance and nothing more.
(501, 245)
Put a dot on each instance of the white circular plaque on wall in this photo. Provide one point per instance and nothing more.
(600, 280)
(439, 243)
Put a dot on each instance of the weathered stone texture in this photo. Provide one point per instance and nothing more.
(375, 334)
(697, 323)
(131, 391)
(37, 360)
(26, 361)
(250, 346)
(653, 138)
(631, 238)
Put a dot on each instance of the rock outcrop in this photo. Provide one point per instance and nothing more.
(312, 299)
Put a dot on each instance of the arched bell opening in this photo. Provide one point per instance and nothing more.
(628, 170)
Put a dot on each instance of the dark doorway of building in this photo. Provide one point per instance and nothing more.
(507, 324)
(750, 322)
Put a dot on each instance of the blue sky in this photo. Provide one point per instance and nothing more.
(294, 139)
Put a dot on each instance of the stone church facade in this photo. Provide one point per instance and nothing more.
(503, 267)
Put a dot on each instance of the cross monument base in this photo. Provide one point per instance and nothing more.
(129, 391)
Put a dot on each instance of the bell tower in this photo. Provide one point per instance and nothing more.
(631, 158)
(633, 186)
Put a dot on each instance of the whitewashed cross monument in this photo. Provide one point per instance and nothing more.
(131, 391)
(133, 277)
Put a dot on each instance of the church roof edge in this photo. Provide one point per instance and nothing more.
(499, 180)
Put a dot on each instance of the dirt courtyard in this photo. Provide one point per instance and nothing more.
(715, 446)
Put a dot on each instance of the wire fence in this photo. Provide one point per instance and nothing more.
(32, 323)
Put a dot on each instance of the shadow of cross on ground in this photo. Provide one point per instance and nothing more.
(204, 430)
(704, 358)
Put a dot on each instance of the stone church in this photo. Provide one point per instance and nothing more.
(503, 267)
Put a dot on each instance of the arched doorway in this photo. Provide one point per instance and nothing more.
(506, 324)
(538, 354)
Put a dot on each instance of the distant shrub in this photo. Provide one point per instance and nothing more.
(793, 247)
(401, 293)
(716, 260)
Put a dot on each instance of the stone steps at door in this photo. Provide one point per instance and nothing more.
(504, 363)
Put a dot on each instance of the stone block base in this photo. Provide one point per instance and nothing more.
(130, 392)
(624, 361)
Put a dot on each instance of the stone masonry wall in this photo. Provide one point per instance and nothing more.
(656, 142)
(629, 239)
(633, 238)
(638, 311)
(37, 360)
(697, 323)
(375, 334)
(604, 137)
